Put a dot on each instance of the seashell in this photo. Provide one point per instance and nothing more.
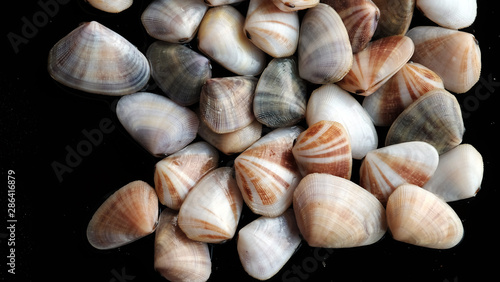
(176, 174)
(176, 257)
(384, 169)
(376, 64)
(330, 102)
(267, 174)
(272, 30)
(233, 142)
(324, 148)
(418, 217)
(360, 18)
(266, 244)
(179, 71)
(333, 212)
(211, 211)
(324, 51)
(161, 126)
(221, 37)
(127, 215)
(226, 103)
(395, 17)
(402, 89)
(295, 5)
(95, 59)
(434, 118)
(454, 55)
(174, 21)
(213, 3)
(280, 95)
(458, 175)
(111, 6)
(449, 13)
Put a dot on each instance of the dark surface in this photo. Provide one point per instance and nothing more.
(41, 120)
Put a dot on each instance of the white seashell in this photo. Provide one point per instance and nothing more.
(454, 14)
(295, 5)
(111, 6)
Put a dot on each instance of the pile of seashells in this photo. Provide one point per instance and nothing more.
(297, 179)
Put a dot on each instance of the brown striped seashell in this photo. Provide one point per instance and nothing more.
(418, 217)
(333, 212)
(376, 64)
(176, 174)
(211, 211)
(454, 55)
(386, 168)
(435, 118)
(395, 17)
(459, 174)
(127, 215)
(402, 89)
(324, 147)
(176, 257)
(454, 14)
(111, 6)
(272, 30)
(267, 174)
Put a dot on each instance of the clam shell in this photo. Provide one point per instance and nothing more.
(333, 212)
(161, 126)
(226, 103)
(176, 257)
(395, 17)
(418, 217)
(295, 5)
(266, 244)
(95, 59)
(330, 102)
(454, 55)
(272, 30)
(324, 148)
(179, 71)
(213, 3)
(174, 21)
(402, 89)
(376, 64)
(280, 94)
(434, 118)
(384, 169)
(176, 174)
(111, 6)
(267, 174)
(458, 175)
(454, 14)
(221, 37)
(324, 51)
(127, 215)
(211, 211)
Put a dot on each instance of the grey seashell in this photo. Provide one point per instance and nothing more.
(111, 6)
(395, 17)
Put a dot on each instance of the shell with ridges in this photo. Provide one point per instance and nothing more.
(295, 5)
(454, 14)
(111, 6)
(395, 17)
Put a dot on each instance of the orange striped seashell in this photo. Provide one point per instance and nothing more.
(324, 148)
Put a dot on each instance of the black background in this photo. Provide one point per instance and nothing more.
(40, 120)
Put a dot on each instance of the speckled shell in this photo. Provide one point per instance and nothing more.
(111, 6)
(294, 5)
(128, 214)
(454, 14)
(395, 17)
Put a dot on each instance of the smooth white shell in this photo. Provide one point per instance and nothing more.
(454, 14)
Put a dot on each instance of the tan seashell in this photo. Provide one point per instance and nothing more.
(272, 30)
(402, 89)
(267, 174)
(174, 21)
(384, 169)
(267, 243)
(454, 55)
(454, 14)
(395, 17)
(111, 6)
(127, 215)
(324, 51)
(221, 37)
(434, 118)
(458, 175)
(211, 211)
(95, 59)
(330, 102)
(324, 148)
(161, 126)
(176, 174)
(295, 5)
(333, 212)
(376, 64)
(176, 257)
(226, 103)
(418, 217)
